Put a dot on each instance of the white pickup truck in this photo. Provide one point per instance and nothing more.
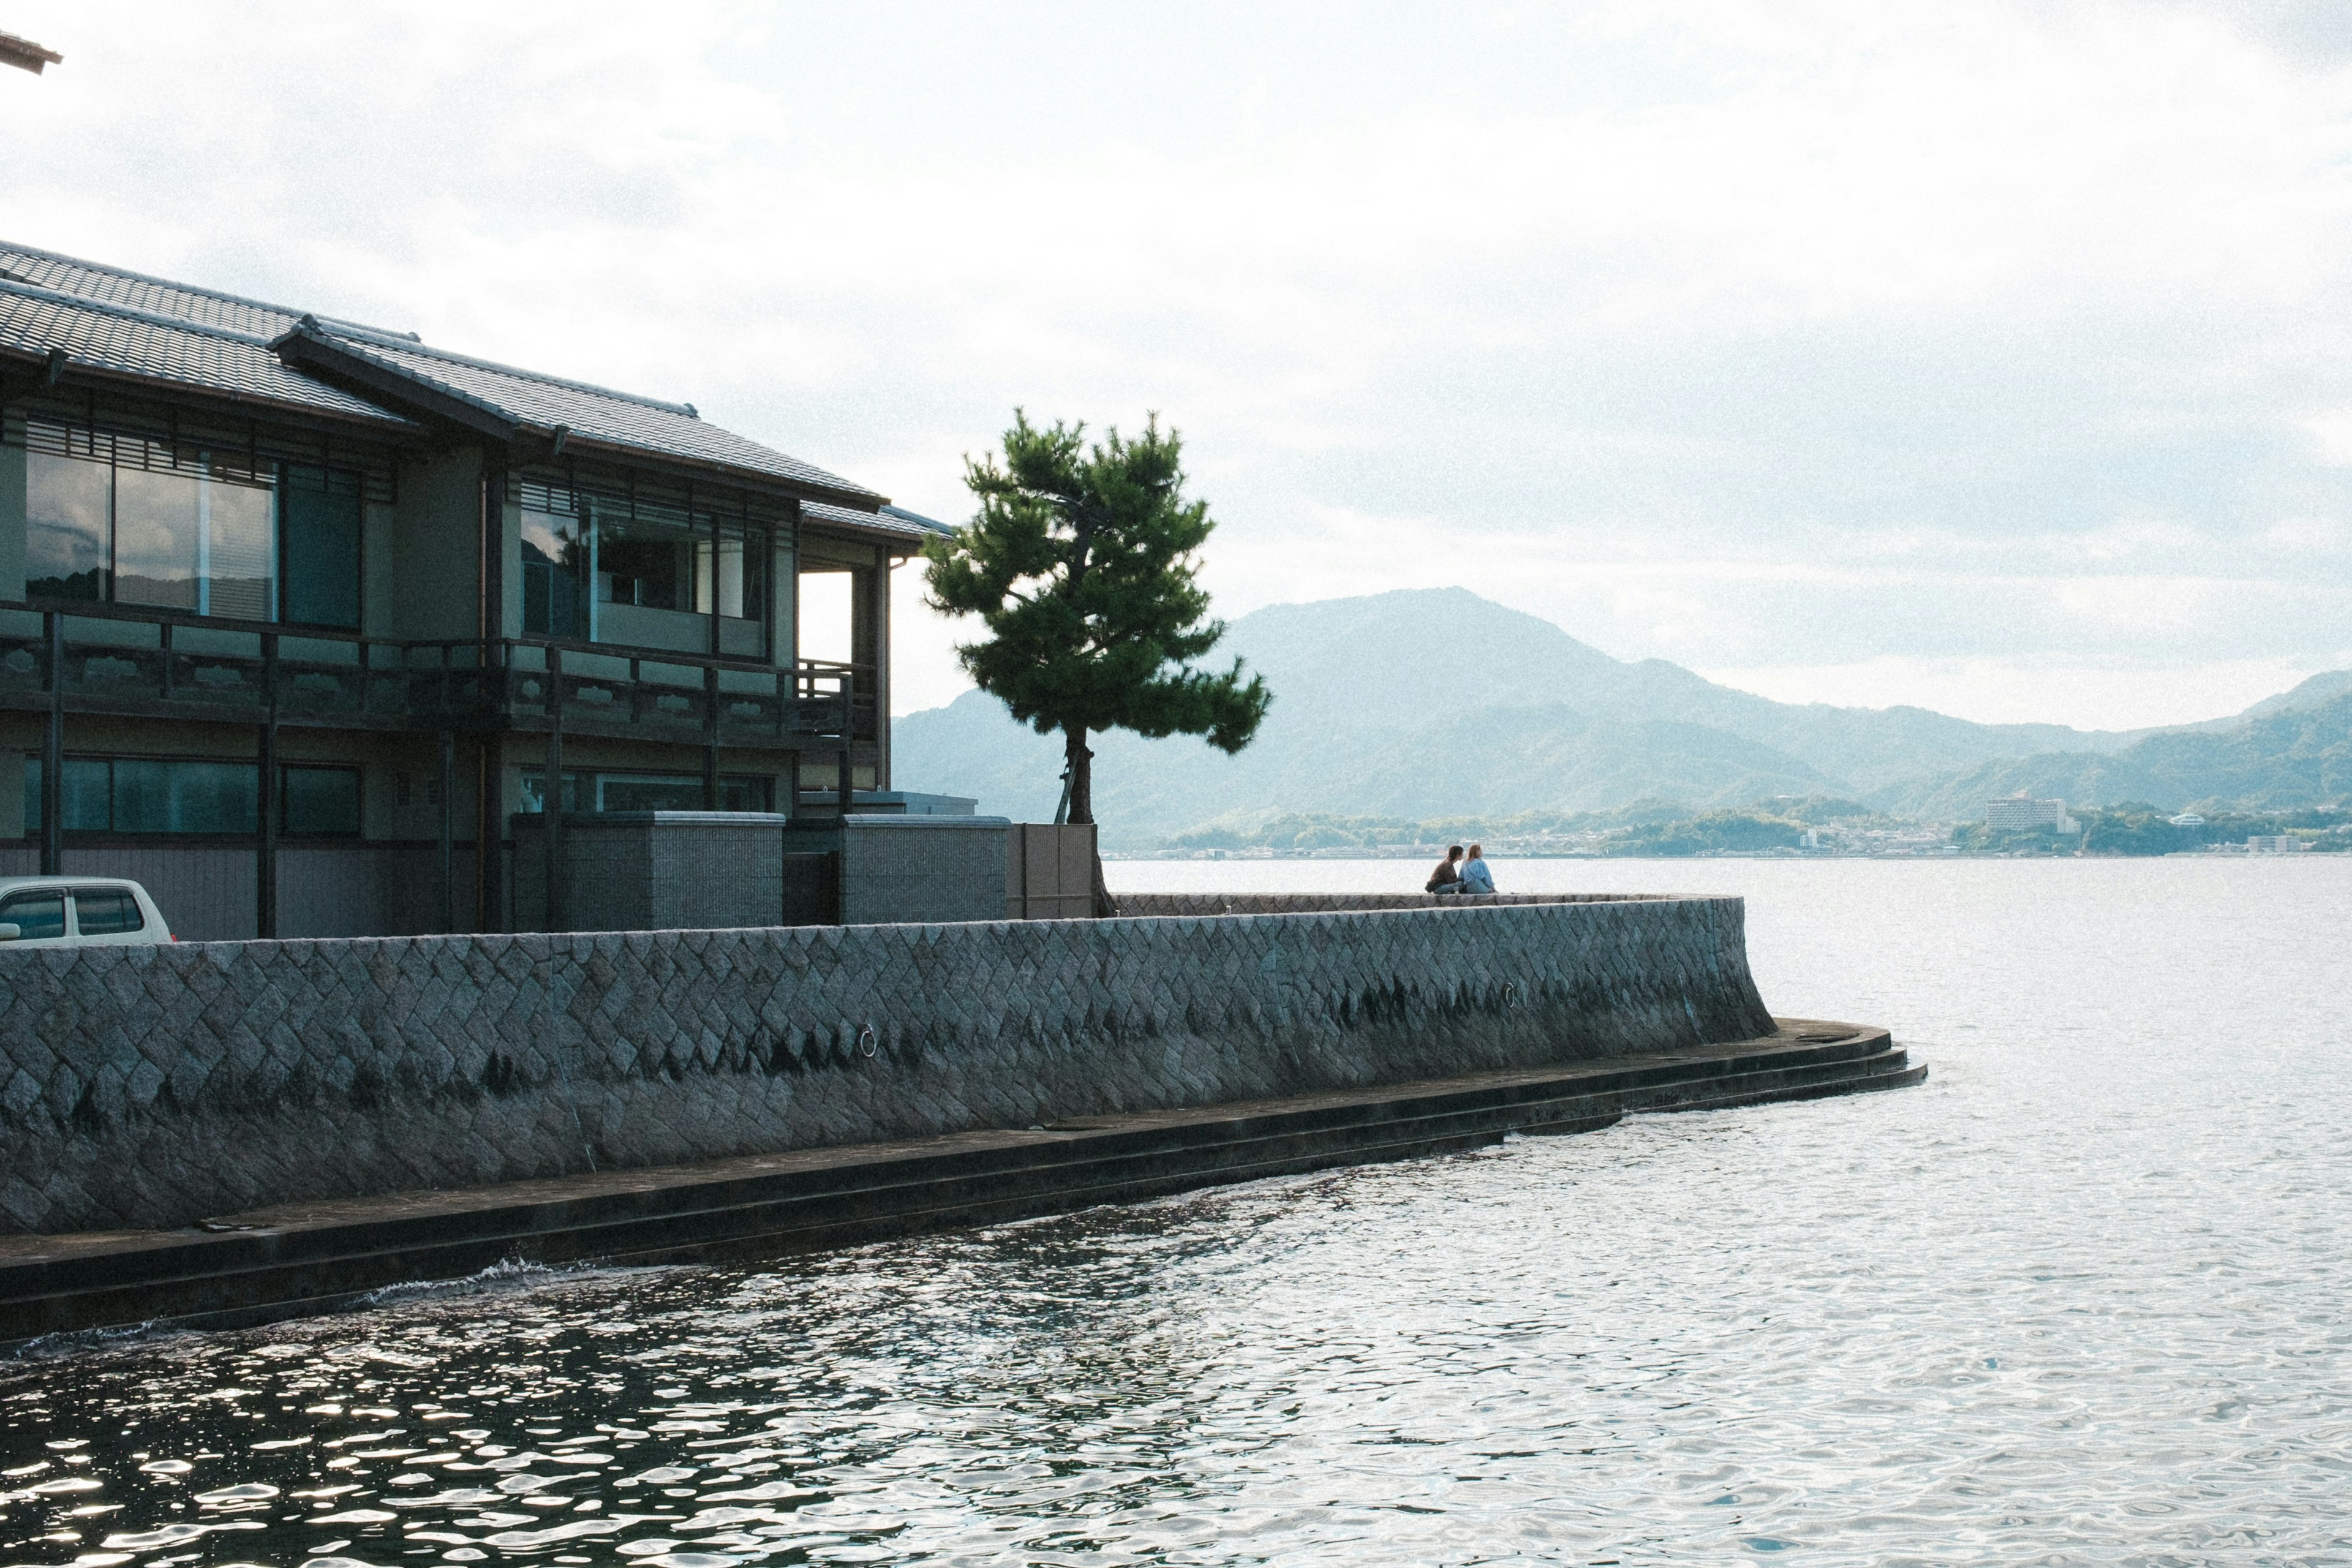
(77, 912)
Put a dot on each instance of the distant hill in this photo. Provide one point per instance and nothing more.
(1435, 702)
(2280, 757)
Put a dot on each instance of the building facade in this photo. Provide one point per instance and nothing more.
(2016, 814)
(296, 615)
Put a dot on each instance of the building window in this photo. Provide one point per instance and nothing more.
(633, 571)
(203, 538)
(181, 796)
(558, 562)
(319, 803)
(319, 518)
(647, 792)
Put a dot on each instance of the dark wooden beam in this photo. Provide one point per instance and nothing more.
(446, 910)
(26, 54)
(265, 860)
(331, 363)
(52, 753)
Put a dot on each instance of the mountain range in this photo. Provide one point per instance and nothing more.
(1435, 702)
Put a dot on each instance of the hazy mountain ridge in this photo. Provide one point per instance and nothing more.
(2281, 757)
(1433, 702)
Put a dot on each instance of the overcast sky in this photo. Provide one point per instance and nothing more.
(1992, 357)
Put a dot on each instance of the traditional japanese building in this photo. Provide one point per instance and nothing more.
(297, 614)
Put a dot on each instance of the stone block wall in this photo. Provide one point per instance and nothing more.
(1335, 903)
(153, 1085)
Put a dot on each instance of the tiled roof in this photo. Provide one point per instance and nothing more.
(891, 519)
(115, 337)
(593, 414)
(141, 292)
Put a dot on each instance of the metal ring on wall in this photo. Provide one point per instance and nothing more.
(1510, 993)
(867, 1041)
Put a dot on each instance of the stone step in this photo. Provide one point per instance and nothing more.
(313, 1258)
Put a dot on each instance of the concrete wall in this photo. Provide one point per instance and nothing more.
(436, 536)
(654, 870)
(895, 868)
(1049, 872)
(1333, 903)
(153, 1086)
(207, 890)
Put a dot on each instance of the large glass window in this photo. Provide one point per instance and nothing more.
(194, 539)
(188, 541)
(641, 572)
(68, 518)
(557, 564)
(184, 795)
(647, 792)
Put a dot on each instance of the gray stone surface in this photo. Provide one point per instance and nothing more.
(896, 869)
(153, 1085)
(1333, 903)
(654, 870)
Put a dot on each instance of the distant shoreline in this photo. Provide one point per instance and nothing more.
(1247, 857)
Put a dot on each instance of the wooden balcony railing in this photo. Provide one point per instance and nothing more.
(163, 663)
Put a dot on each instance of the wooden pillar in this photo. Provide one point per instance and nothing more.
(848, 734)
(52, 753)
(489, 825)
(265, 859)
(878, 683)
(490, 832)
(445, 911)
(551, 796)
(710, 675)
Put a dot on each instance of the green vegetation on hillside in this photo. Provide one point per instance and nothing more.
(1646, 827)
(2138, 828)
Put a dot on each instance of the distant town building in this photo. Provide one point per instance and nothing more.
(2017, 814)
(2277, 843)
(2187, 819)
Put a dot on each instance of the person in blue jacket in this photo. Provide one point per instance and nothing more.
(1475, 877)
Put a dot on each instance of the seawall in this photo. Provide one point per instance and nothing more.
(154, 1087)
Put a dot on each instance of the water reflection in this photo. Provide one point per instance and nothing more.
(2078, 1300)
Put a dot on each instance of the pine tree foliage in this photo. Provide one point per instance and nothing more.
(1082, 566)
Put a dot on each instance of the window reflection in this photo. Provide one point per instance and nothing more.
(641, 573)
(68, 504)
(149, 795)
(187, 541)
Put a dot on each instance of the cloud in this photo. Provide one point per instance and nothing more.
(1833, 331)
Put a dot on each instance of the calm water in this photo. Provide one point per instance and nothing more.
(2081, 1299)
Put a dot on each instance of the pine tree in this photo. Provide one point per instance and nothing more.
(1080, 565)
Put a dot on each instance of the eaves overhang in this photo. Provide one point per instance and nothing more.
(308, 349)
(346, 359)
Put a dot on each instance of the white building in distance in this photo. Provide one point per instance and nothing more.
(2017, 814)
(2277, 843)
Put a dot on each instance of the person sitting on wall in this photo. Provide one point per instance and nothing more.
(1447, 879)
(1475, 877)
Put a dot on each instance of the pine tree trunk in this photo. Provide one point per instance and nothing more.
(1082, 809)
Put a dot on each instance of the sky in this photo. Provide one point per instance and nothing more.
(1992, 357)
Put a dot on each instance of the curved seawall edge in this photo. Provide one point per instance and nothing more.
(147, 1086)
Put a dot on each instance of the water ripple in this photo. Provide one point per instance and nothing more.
(2080, 1299)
